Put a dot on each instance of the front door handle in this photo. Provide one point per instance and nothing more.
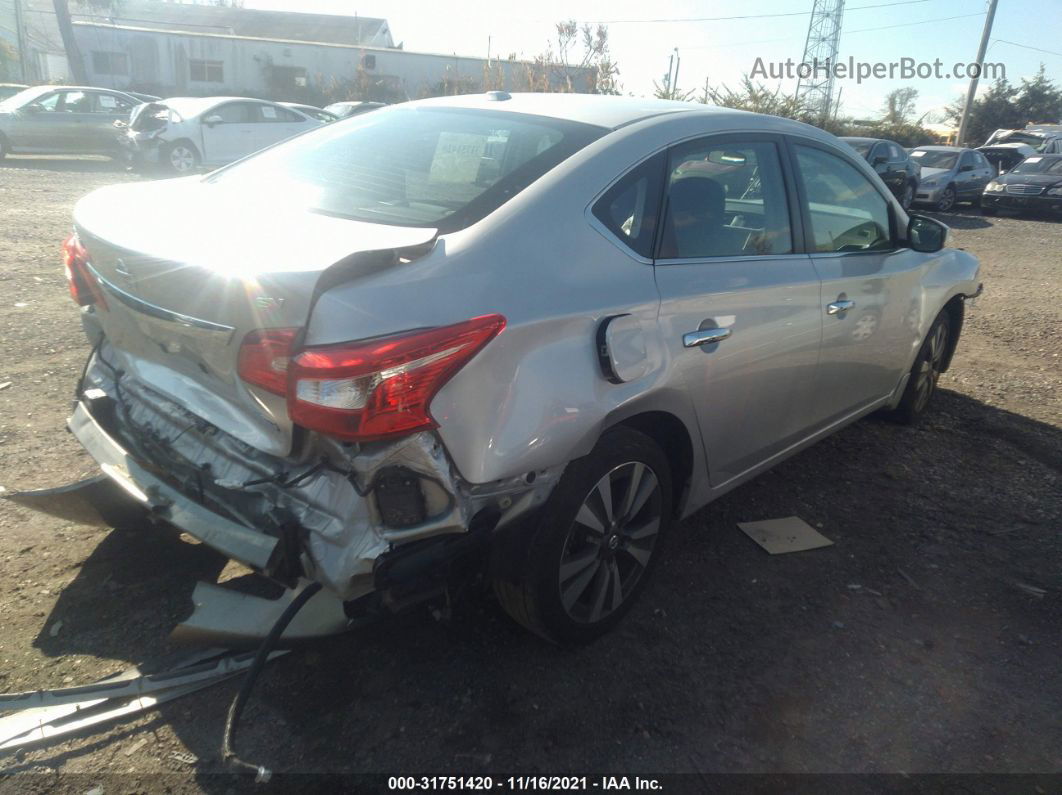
(705, 337)
(838, 306)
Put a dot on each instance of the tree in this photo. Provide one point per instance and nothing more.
(1039, 99)
(577, 50)
(66, 32)
(758, 98)
(899, 105)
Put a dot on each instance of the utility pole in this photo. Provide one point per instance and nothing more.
(985, 33)
(674, 84)
(20, 39)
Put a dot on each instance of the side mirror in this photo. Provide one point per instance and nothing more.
(32, 108)
(210, 121)
(880, 160)
(965, 168)
(926, 234)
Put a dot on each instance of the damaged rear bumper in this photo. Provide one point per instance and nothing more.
(357, 520)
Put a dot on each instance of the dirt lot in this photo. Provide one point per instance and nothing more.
(927, 639)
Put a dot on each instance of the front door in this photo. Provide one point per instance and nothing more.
(233, 135)
(740, 310)
(871, 287)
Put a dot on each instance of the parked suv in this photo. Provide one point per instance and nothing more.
(518, 335)
(893, 165)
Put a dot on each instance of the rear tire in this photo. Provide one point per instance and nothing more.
(908, 197)
(580, 566)
(925, 372)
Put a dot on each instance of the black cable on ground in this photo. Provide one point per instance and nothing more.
(228, 740)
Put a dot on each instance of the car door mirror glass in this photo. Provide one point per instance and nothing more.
(210, 121)
(926, 234)
(966, 167)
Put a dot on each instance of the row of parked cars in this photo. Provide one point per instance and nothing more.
(180, 134)
(1015, 170)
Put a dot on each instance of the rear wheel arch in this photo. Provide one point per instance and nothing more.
(673, 438)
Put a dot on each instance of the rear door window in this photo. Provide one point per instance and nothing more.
(725, 198)
(846, 211)
(629, 208)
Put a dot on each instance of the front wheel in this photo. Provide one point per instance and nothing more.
(180, 157)
(947, 199)
(578, 569)
(925, 372)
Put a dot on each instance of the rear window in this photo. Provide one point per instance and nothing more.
(443, 168)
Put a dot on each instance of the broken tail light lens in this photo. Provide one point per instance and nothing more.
(84, 288)
(362, 391)
(264, 356)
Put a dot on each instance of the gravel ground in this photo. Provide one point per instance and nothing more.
(927, 639)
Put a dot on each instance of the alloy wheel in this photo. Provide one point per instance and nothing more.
(931, 366)
(610, 543)
(947, 200)
(182, 159)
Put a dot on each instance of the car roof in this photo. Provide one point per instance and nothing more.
(860, 138)
(1007, 145)
(608, 111)
(930, 148)
(191, 106)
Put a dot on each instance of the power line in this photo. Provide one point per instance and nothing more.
(845, 32)
(1025, 46)
(746, 16)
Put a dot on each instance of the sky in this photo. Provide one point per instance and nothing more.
(722, 50)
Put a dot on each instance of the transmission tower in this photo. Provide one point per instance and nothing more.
(824, 39)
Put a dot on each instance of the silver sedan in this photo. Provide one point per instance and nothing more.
(63, 120)
(518, 336)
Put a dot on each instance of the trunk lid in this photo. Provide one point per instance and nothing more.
(189, 268)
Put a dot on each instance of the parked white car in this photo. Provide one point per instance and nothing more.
(184, 133)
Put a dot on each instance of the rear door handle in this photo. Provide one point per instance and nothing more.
(705, 337)
(838, 306)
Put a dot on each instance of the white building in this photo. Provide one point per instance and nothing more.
(175, 49)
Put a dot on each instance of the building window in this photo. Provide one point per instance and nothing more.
(206, 71)
(110, 63)
(368, 61)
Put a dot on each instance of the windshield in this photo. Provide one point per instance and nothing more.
(442, 168)
(1039, 165)
(934, 158)
(863, 147)
(24, 97)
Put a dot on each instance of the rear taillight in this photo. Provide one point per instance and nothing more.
(263, 358)
(362, 391)
(84, 288)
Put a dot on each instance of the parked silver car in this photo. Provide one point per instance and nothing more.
(951, 174)
(515, 335)
(62, 120)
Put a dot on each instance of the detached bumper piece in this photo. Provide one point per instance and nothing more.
(50, 715)
(98, 501)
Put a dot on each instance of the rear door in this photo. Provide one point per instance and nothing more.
(740, 312)
(107, 108)
(971, 176)
(871, 286)
(233, 136)
(275, 123)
